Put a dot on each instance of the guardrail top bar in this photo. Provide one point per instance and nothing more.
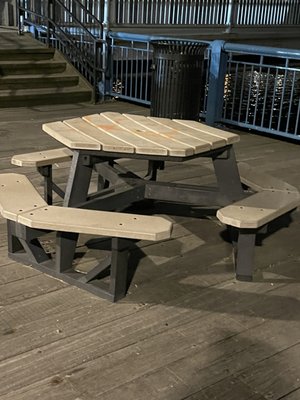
(148, 38)
(261, 50)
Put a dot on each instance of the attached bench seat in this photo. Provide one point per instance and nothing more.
(22, 205)
(246, 217)
(43, 161)
(258, 209)
(259, 180)
(42, 158)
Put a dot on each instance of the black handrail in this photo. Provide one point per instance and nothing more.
(59, 27)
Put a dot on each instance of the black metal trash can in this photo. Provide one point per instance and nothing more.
(176, 85)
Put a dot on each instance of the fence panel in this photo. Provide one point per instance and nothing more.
(131, 69)
(262, 91)
(178, 12)
(206, 12)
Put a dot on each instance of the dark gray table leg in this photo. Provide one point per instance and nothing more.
(76, 192)
(65, 250)
(46, 172)
(227, 175)
(79, 180)
(153, 166)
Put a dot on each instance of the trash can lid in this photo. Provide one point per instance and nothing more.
(179, 47)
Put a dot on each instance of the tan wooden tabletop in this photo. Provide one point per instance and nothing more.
(136, 134)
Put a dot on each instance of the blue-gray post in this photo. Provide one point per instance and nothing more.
(218, 62)
(106, 62)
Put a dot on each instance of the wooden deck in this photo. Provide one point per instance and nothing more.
(186, 330)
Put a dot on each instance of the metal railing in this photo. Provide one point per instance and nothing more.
(205, 12)
(131, 61)
(253, 87)
(70, 27)
(221, 13)
(262, 89)
(131, 66)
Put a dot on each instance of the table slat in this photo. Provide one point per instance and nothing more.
(166, 130)
(209, 130)
(107, 142)
(70, 137)
(157, 138)
(212, 142)
(140, 145)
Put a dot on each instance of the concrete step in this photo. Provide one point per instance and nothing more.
(32, 97)
(32, 74)
(31, 67)
(29, 54)
(13, 82)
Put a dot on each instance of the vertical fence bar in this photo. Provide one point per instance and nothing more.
(282, 95)
(273, 98)
(297, 127)
(258, 82)
(242, 93)
(234, 92)
(249, 94)
(290, 102)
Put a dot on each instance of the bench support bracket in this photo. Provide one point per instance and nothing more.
(24, 246)
(49, 185)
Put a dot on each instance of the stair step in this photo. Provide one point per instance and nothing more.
(30, 97)
(12, 40)
(29, 54)
(13, 82)
(32, 74)
(31, 67)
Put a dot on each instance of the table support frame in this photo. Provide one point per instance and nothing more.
(118, 188)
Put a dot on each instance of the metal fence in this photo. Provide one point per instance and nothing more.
(178, 12)
(256, 87)
(131, 61)
(262, 89)
(131, 66)
(253, 87)
(226, 13)
(205, 12)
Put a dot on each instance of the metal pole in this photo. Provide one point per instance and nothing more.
(218, 62)
(231, 15)
(18, 18)
(49, 16)
(105, 47)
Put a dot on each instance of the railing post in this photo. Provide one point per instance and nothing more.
(18, 18)
(106, 48)
(218, 62)
(111, 14)
(49, 17)
(231, 15)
